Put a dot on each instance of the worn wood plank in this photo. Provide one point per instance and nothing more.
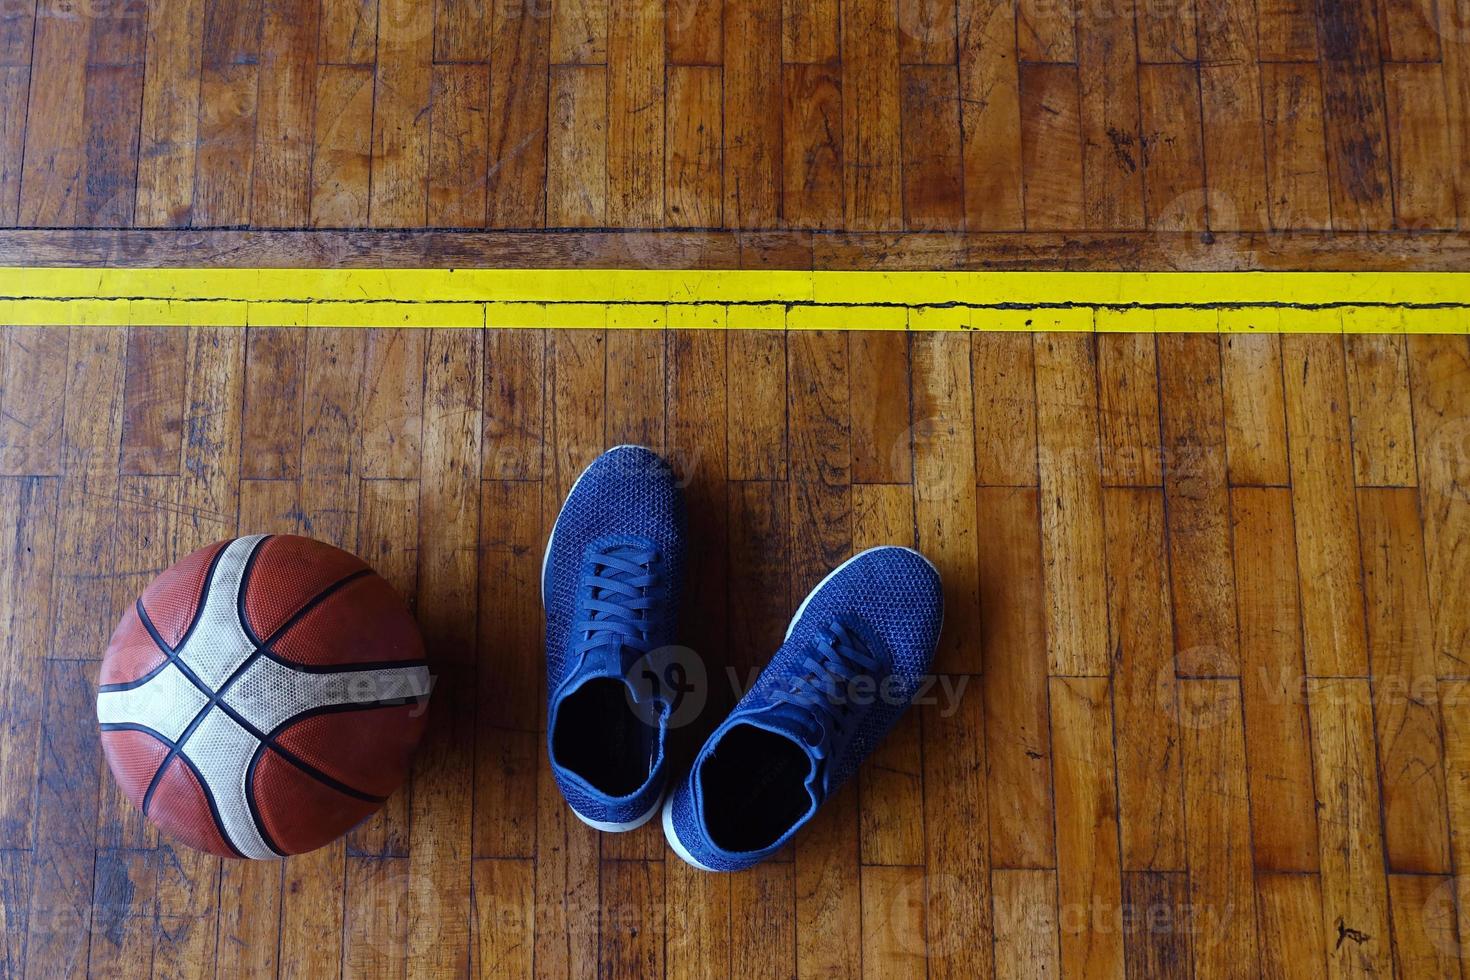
(871, 106)
(516, 136)
(1128, 410)
(1052, 147)
(342, 159)
(753, 106)
(1025, 924)
(458, 148)
(990, 115)
(693, 162)
(1255, 410)
(1382, 420)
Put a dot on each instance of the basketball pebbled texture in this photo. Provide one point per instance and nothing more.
(262, 696)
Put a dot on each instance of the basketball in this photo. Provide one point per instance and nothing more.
(262, 696)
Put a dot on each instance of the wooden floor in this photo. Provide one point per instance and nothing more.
(1206, 617)
(869, 115)
(1207, 607)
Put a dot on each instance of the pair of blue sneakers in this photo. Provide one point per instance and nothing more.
(853, 658)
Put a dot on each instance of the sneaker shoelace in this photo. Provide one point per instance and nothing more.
(834, 657)
(616, 607)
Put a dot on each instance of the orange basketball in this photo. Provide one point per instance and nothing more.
(263, 696)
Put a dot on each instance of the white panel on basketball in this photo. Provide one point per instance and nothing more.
(217, 646)
(268, 693)
(166, 703)
(221, 750)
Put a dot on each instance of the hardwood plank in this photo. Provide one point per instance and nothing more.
(507, 743)
(1453, 695)
(636, 376)
(809, 31)
(871, 106)
(66, 805)
(32, 400)
(330, 454)
(1088, 873)
(944, 489)
(1025, 924)
(931, 162)
(1199, 506)
(1382, 420)
(170, 128)
(990, 116)
(1051, 146)
(820, 512)
(1353, 99)
(1046, 31)
(577, 162)
(701, 903)
(579, 32)
(393, 404)
(515, 368)
(753, 106)
(515, 192)
(123, 911)
(1230, 96)
(693, 162)
(959, 917)
(880, 427)
(342, 162)
(1017, 732)
(1217, 821)
(375, 917)
(893, 922)
(111, 119)
(1158, 945)
(1003, 370)
(15, 84)
(1255, 410)
(757, 405)
(50, 178)
(1289, 910)
(249, 919)
(1296, 156)
(83, 614)
(1408, 32)
(281, 191)
(440, 838)
(1112, 188)
(1171, 150)
(1425, 943)
(635, 114)
(1166, 34)
(504, 917)
(1354, 890)
(694, 32)
(26, 568)
(387, 539)
(1286, 31)
(1278, 744)
(811, 172)
(1071, 512)
(272, 424)
(762, 940)
(926, 32)
(632, 919)
(1439, 375)
(1326, 513)
(1419, 142)
(17, 33)
(349, 32)
(1128, 403)
(458, 148)
(402, 91)
(891, 795)
(462, 31)
(1401, 658)
(1146, 700)
(222, 175)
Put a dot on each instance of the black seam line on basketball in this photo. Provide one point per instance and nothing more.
(356, 667)
(323, 778)
(133, 726)
(255, 815)
(204, 590)
(337, 709)
(313, 602)
(209, 801)
(168, 655)
(243, 588)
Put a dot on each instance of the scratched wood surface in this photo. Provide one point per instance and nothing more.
(1204, 699)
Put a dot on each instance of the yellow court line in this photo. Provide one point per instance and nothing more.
(1148, 302)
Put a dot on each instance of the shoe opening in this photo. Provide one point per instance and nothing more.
(754, 787)
(600, 737)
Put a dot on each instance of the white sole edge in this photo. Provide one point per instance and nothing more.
(673, 838)
(608, 827)
(833, 574)
(551, 538)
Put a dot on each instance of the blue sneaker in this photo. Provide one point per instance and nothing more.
(610, 585)
(852, 661)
